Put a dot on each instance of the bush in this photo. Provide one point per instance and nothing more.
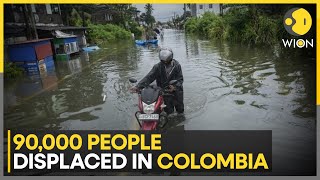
(266, 30)
(217, 28)
(108, 32)
(12, 71)
(135, 29)
(209, 25)
(206, 22)
(247, 35)
(251, 28)
(236, 19)
(191, 25)
(244, 24)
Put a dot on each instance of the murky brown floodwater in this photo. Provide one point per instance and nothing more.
(227, 87)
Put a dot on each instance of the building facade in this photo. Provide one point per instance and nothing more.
(40, 20)
(197, 10)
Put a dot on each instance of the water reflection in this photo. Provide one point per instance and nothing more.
(298, 80)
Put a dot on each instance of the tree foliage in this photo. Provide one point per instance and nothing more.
(243, 24)
(76, 18)
(107, 33)
(148, 18)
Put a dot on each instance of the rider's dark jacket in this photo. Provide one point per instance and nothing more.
(158, 73)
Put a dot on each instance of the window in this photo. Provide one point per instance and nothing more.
(74, 47)
(55, 9)
(33, 8)
(48, 8)
(200, 6)
(108, 17)
(210, 6)
(67, 48)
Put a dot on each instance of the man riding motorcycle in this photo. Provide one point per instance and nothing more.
(166, 70)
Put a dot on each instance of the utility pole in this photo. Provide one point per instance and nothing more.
(83, 19)
(221, 9)
(26, 21)
(174, 19)
(30, 22)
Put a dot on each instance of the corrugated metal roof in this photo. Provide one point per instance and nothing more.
(60, 34)
(53, 28)
(16, 27)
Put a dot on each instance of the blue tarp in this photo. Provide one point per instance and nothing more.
(90, 48)
(144, 42)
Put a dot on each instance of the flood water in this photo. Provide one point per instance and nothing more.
(226, 87)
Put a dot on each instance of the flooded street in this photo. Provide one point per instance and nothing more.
(226, 87)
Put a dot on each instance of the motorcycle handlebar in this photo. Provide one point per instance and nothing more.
(165, 92)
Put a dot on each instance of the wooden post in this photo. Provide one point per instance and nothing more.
(26, 21)
(83, 19)
(32, 25)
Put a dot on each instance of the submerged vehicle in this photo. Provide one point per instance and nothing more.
(151, 106)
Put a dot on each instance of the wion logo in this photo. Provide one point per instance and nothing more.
(297, 22)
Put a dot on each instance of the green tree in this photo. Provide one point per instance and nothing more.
(121, 15)
(79, 17)
(75, 18)
(149, 19)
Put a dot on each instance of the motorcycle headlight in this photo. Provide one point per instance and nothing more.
(148, 108)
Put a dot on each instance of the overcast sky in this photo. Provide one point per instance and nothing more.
(163, 12)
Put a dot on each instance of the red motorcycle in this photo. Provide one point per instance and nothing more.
(151, 106)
